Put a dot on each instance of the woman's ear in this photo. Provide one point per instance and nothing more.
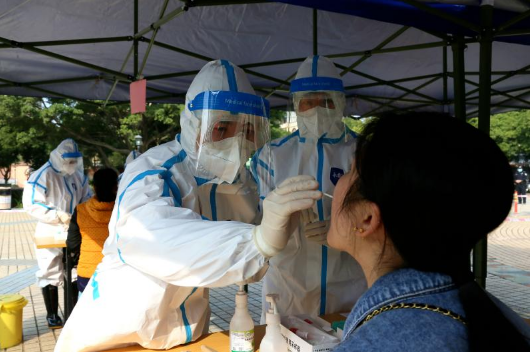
(369, 222)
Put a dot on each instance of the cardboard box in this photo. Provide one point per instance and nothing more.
(297, 344)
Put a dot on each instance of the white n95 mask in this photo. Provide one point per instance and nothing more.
(69, 169)
(222, 159)
(319, 120)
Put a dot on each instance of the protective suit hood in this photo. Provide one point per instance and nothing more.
(318, 74)
(64, 155)
(131, 157)
(218, 75)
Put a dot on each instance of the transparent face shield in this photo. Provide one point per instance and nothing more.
(319, 107)
(234, 126)
(72, 162)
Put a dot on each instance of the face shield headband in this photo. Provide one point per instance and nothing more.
(72, 162)
(233, 126)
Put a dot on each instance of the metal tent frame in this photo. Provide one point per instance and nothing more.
(466, 33)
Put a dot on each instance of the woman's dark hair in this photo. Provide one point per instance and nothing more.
(105, 184)
(441, 185)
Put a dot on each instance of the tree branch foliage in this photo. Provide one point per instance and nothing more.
(30, 128)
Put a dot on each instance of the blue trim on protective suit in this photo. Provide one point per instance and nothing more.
(72, 155)
(232, 83)
(285, 139)
(168, 180)
(315, 66)
(135, 179)
(84, 181)
(95, 286)
(33, 188)
(71, 195)
(38, 185)
(201, 181)
(323, 280)
(174, 160)
(185, 318)
(325, 140)
(54, 169)
(213, 204)
(177, 196)
(165, 191)
(320, 208)
(313, 84)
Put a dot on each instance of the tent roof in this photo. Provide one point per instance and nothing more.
(269, 40)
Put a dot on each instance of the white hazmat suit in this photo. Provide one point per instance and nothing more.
(309, 277)
(160, 257)
(51, 195)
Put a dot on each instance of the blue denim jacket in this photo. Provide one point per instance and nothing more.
(411, 330)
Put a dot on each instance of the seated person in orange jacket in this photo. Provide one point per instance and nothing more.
(89, 225)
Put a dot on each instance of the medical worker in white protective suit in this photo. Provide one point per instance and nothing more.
(51, 195)
(161, 255)
(310, 277)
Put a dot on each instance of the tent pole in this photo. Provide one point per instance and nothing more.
(445, 92)
(24, 46)
(400, 80)
(47, 91)
(386, 99)
(111, 91)
(459, 75)
(513, 21)
(498, 92)
(315, 32)
(503, 78)
(80, 41)
(504, 91)
(480, 253)
(414, 91)
(135, 40)
(381, 45)
(472, 113)
(443, 15)
(153, 36)
(410, 91)
(373, 101)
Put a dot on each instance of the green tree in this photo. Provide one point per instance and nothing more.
(108, 132)
(511, 131)
(22, 133)
(356, 125)
(277, 118)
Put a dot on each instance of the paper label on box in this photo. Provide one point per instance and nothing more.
(242, 341)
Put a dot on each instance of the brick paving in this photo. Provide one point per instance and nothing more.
(508, 277)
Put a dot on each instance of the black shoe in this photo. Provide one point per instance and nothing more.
(51, 301)
(54, 321)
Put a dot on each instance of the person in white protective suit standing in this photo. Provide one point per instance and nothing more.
(309, 277)
(161, 255)
(133, 155)
(50, 195)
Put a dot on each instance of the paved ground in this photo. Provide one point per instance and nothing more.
(508, 276)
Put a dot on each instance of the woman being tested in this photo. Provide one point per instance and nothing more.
(422, 296)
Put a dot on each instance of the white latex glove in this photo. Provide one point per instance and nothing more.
(294, 194)
(317, 232)
(64, 217)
